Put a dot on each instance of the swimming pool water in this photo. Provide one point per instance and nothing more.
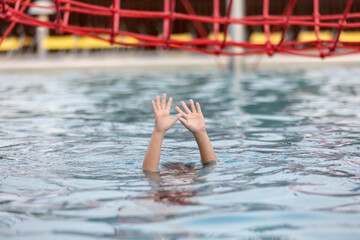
(288, 143)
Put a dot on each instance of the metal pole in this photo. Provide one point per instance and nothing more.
(43, 8)
(236, 63)
(41, 35)
(238, 34)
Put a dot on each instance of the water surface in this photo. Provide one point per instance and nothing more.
(72, 145)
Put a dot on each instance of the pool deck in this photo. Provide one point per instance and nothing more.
(167, 60)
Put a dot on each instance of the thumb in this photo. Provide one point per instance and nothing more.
(184, 122)
(177, 117)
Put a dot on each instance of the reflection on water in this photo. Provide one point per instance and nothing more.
(72, 144)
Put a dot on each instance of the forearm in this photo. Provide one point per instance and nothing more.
(207, 152)
(152, 156)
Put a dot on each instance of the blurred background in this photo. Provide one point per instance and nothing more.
(22, 39)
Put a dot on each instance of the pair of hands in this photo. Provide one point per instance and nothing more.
(192, 119)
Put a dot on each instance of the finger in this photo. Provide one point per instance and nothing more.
(181, 112)
(192, 106)
(168, 106)
(153, 106)
(198, 107)
(158, 107)
(184, 122)
(183, 104)
(163, 101)
(177, 117)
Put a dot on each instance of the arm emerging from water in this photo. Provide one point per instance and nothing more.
(163, 122)
(194, 121)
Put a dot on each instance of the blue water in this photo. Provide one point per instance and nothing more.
(72, 145)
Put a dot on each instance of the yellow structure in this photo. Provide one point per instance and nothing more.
(92, 43)
(67, 42)
(74, 42)
(221, 36)
(179, 36)
(14, 43)
(350, 36)
(60, 42)
(260, 38)
(27, 41)
(9, 44)
(308, 36)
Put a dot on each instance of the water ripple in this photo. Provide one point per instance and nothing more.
(72, 144)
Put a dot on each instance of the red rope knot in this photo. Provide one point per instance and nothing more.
(342, 22)
(270, 49)
(112, 37)
(217, 50)
(223, 44)
(58, 18)
(5, 10)
(3, 7)
(115, 20)
(169, 8)
(323, 54)
(228, 15)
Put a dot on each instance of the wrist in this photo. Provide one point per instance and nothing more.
(158, 132)
(200, 133)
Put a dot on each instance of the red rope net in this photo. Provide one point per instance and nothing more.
(16, 12)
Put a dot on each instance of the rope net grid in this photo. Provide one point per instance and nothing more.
(17, 12)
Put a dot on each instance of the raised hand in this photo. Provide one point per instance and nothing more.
(192, 119)
(163, 122)
(161, 109)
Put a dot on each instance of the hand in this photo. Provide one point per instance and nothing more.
(163, 120)
(192, 120)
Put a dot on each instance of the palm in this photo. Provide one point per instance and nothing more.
(163, 121)
(193, 119)
(195, 122)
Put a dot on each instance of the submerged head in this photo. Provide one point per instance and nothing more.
(178, 167)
